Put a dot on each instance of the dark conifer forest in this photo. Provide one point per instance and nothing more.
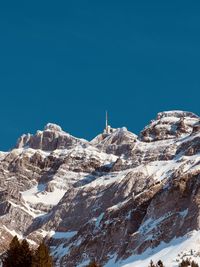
(19, 254)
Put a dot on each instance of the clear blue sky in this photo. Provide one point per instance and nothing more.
(68, 61)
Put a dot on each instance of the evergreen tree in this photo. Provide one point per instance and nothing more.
(12, 256)
(151, 264)
(160, 263)
(187, 263)
(194, 264)
(94, 264)
(42, 257)
(26, 255)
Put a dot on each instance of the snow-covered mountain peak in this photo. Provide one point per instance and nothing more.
(177, 114)
(170, 125)
(118, 132)
(119, 142)
(53, 127)
(51, 138)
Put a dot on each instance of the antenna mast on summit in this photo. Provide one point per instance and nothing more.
(106, 121)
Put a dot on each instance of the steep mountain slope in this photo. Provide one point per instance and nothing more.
(118, 199)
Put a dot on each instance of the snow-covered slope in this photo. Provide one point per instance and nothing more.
(172, 253)
(120, 199)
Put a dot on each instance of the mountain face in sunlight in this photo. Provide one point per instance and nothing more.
(120, 199)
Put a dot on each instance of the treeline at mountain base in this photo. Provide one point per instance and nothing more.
(19, 254)
(184, 263)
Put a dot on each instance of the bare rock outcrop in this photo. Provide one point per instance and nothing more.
(169, 125)
(120, 142)
(52, 138)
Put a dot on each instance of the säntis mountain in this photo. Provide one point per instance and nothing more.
(120, 199)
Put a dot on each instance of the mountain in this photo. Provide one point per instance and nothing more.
(120, 199)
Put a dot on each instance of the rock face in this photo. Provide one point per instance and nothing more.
(53, 137)
(169, 125)
(107, 199)
(119, 143)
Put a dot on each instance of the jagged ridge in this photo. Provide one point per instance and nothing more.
(110, 198)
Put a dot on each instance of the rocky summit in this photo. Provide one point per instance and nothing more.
(120, 199)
